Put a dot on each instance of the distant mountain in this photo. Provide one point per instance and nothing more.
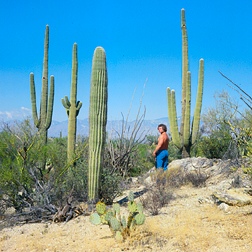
(114, 128)
(148, 127)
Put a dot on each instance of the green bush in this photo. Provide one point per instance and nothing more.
(174, 152)
(33, 175)
(216, 145)
(111, 185)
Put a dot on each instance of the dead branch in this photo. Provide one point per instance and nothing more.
(244, 96)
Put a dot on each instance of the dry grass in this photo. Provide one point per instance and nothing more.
(206, 230)
(183, 225)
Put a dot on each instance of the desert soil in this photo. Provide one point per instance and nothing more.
(190, 222)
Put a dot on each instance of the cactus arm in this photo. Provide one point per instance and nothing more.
(73, 93)
(44, 93)
(185, 68)
(33, 101)
(78, 107)
(187, 116)
(173, 118)
(97, 121)
(50, 104)
(66, 103)
(197, 110)
(177, 137)
(45, 60)
(168, 93)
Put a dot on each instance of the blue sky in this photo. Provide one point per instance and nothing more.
(142, 40)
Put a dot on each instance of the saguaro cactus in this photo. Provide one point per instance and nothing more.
(44, 121)
(185, 139)
(97, 121)
(72, 107)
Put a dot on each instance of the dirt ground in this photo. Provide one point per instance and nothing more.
(189, 223)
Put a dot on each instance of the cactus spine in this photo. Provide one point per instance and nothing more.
(44, 121)
(185, 139)
(97, 121)
(72, 107)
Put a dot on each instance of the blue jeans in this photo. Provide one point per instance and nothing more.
(162, 159)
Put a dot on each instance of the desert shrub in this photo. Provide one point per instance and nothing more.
(34, 175)
(72, 178)
(122, 146)
(151, 140)
(176, 177)
(212, 146)
(17, 156)
(126, 156)
(196, 177)
(111, 185)
(72, 181)
(247, 168)
(174, 152)
(159, 192)
(143, 160)
(156, 198)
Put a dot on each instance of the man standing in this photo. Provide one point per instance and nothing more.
(161, 150)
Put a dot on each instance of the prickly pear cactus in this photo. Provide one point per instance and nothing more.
(119, 225)
(114, 224)
(95, 219)
(100, 208)
(139, 219)
(131, 196)
(119, 236)
(132, 206)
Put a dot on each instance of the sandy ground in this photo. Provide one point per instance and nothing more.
(188, 223)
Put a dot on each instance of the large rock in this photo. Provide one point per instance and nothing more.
(233, 197)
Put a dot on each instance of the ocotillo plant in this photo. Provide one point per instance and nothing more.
(43, 123)
(97, 121)
(72, 107)
(185, 139)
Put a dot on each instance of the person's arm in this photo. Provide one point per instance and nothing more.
(160, 143)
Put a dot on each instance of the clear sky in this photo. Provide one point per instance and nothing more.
(142, 40)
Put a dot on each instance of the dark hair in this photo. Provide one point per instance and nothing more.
(163, 127)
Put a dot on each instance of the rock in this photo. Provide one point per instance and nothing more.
(224, 207)
(233, 197)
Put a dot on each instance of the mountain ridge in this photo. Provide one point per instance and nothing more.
(114, 127)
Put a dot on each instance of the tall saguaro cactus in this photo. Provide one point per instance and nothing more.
(72, 107)
(44, 121)
(97, 121)
(185, 139)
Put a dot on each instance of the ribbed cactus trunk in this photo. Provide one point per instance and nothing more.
(44, 121)
(187, 136)
(97, 121)
(185, 68)
(72, 107)
(198, 106)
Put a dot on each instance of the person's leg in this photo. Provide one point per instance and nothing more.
(165, 161)
(159, 160)
(163, 156)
